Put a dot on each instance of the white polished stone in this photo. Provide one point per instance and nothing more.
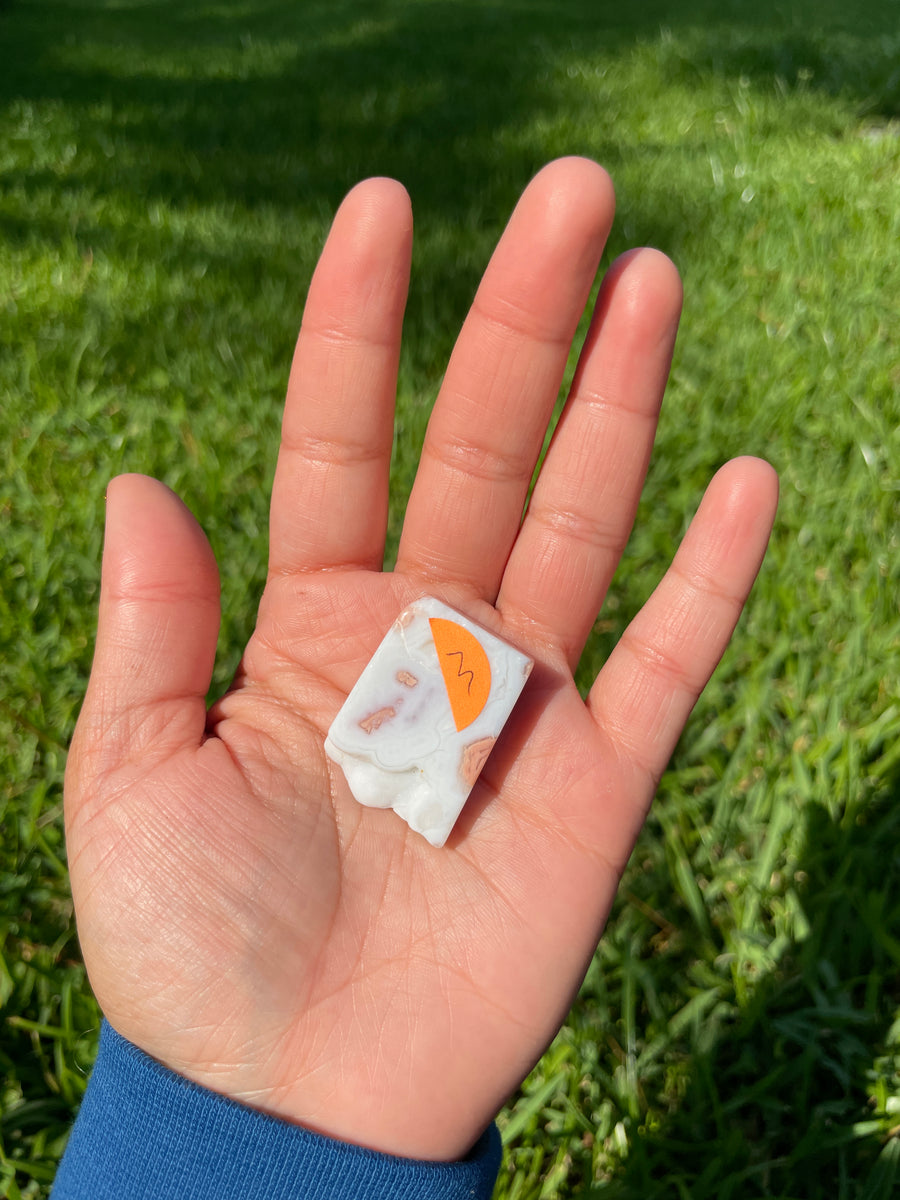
(418, 726)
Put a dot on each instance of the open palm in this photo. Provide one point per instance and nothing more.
(242, 918)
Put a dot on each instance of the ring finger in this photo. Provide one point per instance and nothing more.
(584, 501)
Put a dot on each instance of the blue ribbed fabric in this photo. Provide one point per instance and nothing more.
(144, 1132)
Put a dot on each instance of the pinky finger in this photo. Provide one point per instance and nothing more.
(648, 686)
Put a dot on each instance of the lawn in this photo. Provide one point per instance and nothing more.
(167, 175)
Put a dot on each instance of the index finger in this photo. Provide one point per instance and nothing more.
(329, 499)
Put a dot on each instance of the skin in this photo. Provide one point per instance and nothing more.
(242, 918)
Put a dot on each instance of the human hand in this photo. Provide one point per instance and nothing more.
(242, 918)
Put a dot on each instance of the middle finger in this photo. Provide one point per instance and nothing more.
(489, 421)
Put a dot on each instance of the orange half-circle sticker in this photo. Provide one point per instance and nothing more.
(465, 667)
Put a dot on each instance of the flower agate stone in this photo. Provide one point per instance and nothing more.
(423, 717)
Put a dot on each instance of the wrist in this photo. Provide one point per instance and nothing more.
(145, 1132)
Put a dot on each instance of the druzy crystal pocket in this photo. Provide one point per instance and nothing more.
(423, 717)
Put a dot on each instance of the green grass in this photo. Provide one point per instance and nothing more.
(167, 174)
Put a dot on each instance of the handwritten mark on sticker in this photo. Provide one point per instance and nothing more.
(465, 667)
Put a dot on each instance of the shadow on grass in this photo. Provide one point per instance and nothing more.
(272, 103)
(278, 109)
(783, 1103)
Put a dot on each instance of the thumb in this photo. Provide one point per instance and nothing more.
(157, 630)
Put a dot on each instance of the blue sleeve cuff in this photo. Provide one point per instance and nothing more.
(145, 1132)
